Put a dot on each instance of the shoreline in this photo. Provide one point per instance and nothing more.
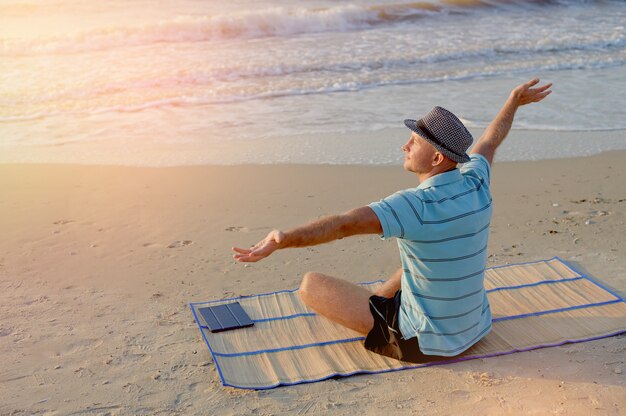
(378, 148)
(98, 265)
(291, 164)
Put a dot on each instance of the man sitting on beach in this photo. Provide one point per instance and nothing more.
(435, 305)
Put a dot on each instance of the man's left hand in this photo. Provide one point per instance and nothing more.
(525, 94)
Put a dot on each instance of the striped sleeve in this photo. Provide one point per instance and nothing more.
(398, 213)
(477, 167)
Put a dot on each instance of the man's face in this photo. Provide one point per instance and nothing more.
(418, 155)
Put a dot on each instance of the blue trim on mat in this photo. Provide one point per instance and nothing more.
(219, 370)
(277, 318)
(570, 308)
(452, 360)
(591, 279)
(541, 282)
(294, 347)
(524, 263)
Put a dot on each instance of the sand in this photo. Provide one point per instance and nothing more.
(98, 264)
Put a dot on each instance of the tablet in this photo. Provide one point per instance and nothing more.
(225, 317)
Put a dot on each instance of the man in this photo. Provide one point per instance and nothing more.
(435, 305)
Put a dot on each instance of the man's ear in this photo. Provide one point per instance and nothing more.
(438, 159)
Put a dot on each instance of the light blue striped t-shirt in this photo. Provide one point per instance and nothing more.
(442, 227)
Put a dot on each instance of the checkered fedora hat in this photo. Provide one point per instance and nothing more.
(445, 132)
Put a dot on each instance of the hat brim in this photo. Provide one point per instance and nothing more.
(412, 125)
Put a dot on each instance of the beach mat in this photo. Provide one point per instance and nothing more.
(534, 305)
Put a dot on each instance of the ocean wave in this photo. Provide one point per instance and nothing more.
(245, 25)
(338, 87)
(608, 46)
(249, 25)
(593, 54)
(377, 72)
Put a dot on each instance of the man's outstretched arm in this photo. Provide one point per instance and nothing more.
(334, 227)
(497, 131)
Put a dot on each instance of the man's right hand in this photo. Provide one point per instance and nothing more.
(356, 221)
(261, 249)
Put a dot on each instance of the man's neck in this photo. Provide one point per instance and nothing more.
(421, 177)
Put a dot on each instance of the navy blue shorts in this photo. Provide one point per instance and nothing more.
(385, 337)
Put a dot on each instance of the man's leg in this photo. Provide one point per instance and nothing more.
(391, 286)
(344, 302)
(338, 300)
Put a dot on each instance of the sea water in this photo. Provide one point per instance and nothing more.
(180, 82)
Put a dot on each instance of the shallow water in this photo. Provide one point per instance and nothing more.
(192, 74)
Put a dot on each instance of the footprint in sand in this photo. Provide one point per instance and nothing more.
(180, 243)
(42, 379)
(236, 228)
(459, 394)
(239, 229)
(63, 222)
(486, 379)
(79, 346)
